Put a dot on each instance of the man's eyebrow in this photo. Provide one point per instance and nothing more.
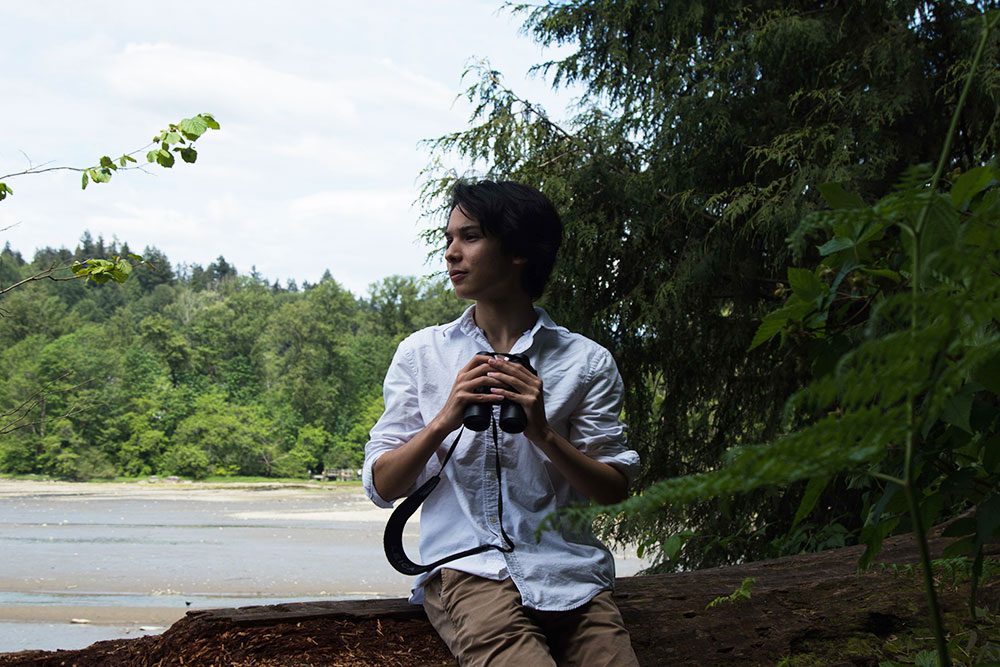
(475, 226)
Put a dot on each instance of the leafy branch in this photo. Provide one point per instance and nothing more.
(178, 138)
(900, 320)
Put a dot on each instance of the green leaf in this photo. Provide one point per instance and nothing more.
(835, 245)
(958, 548)
(4, 191)
(987, 519)
(969, 184)
(164, 158)
(86, 180)
(814, 489)
(941, 228)
(99, 175)
(189, 154)
(773, 323)
(837, 197)
(991, 454)
(959, 527)
(209, 120)
(106, 163)
(193, 127)
(988, 374)
(768, 329)
(805, 284)
(671, 547)
(884, 273)
(958, 409)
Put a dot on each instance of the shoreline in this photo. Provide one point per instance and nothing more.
(153, 619)
(135, 557)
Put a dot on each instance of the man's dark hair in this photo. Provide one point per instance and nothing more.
(524, 220)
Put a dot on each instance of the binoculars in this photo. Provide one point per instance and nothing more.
(477, 416)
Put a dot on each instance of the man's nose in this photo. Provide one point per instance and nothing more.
(451, 253)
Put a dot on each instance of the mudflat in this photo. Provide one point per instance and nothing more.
(140, 555)
(143, 554)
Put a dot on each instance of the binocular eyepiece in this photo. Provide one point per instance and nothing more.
(512, 418)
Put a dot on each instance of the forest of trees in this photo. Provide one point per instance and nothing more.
(689, 179)
(782, 218)
(192, 370)
(797, 377)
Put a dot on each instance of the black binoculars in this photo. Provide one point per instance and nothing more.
(512, 418)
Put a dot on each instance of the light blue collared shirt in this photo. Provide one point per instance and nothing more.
(583, 399)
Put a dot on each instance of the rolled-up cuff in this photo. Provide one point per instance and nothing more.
(369, 483)
(627, 463)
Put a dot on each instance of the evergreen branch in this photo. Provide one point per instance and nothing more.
(910, 493)
(953, 128)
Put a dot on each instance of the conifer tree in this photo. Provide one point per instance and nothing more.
(696, 150)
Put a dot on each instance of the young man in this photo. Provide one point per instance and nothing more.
(526, 600)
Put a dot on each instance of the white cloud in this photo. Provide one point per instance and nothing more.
(322, 107)
(152, 72)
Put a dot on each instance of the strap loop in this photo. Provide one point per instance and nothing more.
(392, 539)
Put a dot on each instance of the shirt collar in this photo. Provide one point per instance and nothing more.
(466, 324)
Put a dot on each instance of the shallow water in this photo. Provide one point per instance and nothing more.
(117, 553)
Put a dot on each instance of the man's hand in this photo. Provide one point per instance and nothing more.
(594, 479)
(516, 383)
(472, 377)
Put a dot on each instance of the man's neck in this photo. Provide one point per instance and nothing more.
(504, 323)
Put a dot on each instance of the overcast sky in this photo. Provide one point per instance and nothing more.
(322, 104)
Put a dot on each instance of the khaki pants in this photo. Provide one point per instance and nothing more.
(484, 623)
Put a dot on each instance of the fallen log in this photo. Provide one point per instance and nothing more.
(815, 609)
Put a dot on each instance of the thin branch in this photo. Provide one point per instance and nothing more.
(46, 274)
(41, 170)
(22, 411)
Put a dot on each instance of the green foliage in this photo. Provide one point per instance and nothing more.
(198, 373)
(694, 154)
(741, 593)
(177, 138)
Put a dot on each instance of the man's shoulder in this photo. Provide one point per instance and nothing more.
(578, 342)
(432, 336)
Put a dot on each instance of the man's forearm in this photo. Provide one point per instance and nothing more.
(396, 470)
(594, 479)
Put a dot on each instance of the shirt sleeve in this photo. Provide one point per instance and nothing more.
(595, 427)
(400, 421)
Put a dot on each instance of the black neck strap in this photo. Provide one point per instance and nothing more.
(392, 539)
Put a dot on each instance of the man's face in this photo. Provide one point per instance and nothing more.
(477, 266)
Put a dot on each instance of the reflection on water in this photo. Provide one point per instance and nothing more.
(17, 636)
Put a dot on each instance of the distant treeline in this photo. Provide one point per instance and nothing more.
(194, 371)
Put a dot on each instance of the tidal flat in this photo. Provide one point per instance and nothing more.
(83, 562)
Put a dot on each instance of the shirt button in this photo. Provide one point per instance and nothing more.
(493, 519)
(492, 475)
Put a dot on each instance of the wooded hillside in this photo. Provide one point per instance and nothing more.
(194, 372)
